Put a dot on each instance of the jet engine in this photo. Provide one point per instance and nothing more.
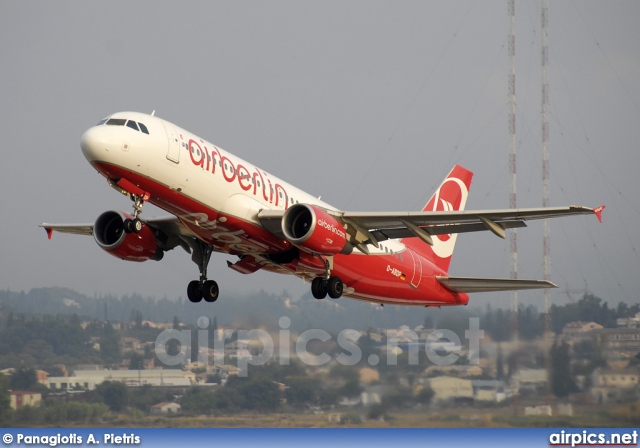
(313, 230)
(110, 235)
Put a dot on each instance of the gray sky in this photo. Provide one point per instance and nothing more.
(366, 103)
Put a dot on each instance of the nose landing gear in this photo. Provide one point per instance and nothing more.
(134, 225)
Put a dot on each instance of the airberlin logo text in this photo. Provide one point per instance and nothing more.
(332, 228)
(213, 160)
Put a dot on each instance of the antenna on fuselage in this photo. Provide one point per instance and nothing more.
(153, 114)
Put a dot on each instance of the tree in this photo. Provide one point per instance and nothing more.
(351, 388)
(24, 379)
(500, 364)
(136, 361)
(5, 400)
(425, 395)
(562, 383)
(302, 391)
(260, 394)
(397, 398)
(199, 401)
(114, 394)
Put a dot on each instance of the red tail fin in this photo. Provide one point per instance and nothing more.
(451, 195)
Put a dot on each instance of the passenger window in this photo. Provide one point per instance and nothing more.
(143, 128)
(132, 124)
(116, 122)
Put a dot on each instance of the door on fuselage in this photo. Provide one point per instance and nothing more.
(417, 269)
(173, 151)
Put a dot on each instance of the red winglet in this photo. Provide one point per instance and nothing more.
(598, 212)
(49, 232)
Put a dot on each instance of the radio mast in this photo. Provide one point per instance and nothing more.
(546, 253)
(511, 39)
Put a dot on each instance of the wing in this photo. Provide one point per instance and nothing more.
(371, 227)
(472, 284)
(175, 232)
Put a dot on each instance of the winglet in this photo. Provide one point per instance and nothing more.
(598, 212)
(49, 231)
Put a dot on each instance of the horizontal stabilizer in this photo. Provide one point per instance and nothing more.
(472, 284)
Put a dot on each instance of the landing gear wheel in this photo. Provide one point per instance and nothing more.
(132, 225)
(193, 292)
(319, 288)
(203, 288)
(335, 287)
(209, 291)
(136, 225)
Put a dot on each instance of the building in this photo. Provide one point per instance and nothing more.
(490, 391)
(631, 322)
(20, 398)
(41, 375)
(529, 380)
(368, 375)
(615, 386)
(576, 329)
(454, 370)
(619, 343)
(448, 388)
(166, 408)
(89, 379)
(128, 344)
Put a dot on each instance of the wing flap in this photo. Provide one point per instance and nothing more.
(473, 284)
(271, 220)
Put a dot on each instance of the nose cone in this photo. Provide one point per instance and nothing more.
(96, 143)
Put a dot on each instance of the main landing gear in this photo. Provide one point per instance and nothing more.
(203, 288)
(134, 225)
(321, 286)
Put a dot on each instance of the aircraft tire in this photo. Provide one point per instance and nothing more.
(136, 225)
(319, 288)
(193, 292)
(335, 287)
(210, 291)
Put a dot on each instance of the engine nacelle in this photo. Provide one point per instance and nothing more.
(313, 230)
(109, 233)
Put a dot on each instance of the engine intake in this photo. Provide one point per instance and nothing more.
(313, 230)
(108, 231)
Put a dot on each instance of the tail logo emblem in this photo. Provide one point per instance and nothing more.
(451, 196)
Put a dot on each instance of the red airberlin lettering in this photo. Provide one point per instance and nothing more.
(208, 160)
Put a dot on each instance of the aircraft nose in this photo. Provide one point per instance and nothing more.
(97, 142)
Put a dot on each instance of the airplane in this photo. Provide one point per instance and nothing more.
(221, 203)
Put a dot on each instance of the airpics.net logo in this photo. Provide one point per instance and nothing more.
(592, 438)
(442, 347)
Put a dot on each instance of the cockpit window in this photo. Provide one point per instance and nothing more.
(122, 122)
